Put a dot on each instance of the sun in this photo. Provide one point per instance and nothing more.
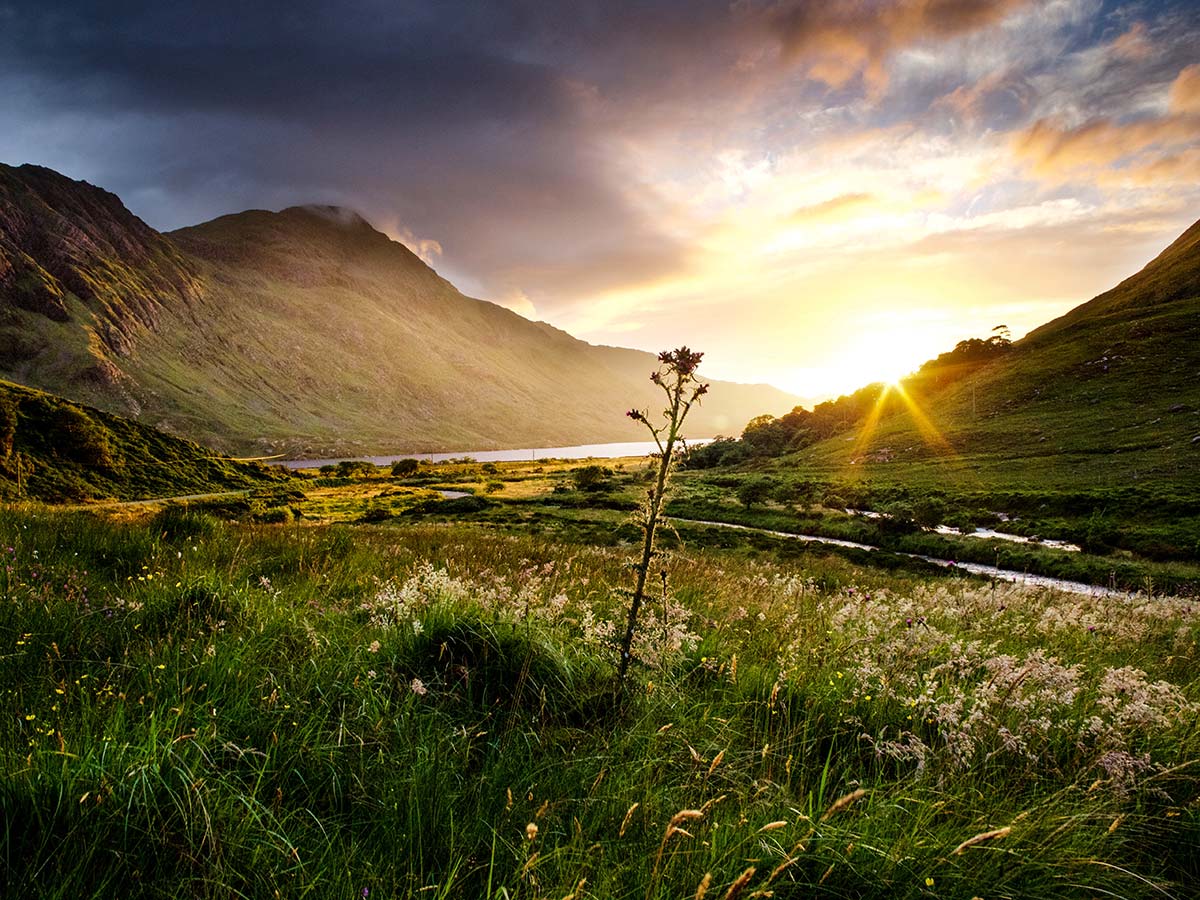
(862, 359)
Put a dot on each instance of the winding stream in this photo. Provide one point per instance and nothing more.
(1071, 587)
(981, 533)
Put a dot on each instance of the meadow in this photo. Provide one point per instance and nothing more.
(200, 708)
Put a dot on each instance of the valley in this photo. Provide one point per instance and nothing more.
(932, 638)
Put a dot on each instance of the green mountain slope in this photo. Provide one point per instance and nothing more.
(55, 450)
(1107, 395)
(302, 332)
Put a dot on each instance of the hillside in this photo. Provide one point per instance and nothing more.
(305, 332)
(55, 450)
(1105, 396)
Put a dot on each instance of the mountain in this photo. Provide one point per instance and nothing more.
(304, 332)
(55, 450)
(1107, 395)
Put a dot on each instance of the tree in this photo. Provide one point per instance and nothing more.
(676, 375)
(754, 492)
(402, 468)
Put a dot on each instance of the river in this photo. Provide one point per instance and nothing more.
(1070, 587)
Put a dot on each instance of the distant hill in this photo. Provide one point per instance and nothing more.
(305, 331)
(55, 450)
(1107, 395)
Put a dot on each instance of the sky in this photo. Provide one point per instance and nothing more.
(816, 194)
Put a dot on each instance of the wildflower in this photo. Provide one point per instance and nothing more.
(418, 687)
(531, 831)
(371, 674)
(374, 647)
(929, 882)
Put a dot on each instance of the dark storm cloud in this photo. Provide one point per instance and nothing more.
(458, 122)
(494, 128)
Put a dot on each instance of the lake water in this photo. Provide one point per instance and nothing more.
(582, 451)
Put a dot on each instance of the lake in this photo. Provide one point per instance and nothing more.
(582, 451)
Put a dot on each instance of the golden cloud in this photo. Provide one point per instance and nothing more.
(835, 209)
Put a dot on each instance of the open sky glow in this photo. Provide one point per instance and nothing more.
(816, 194)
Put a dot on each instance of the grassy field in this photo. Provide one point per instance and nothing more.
(426, 709)
(544, 495)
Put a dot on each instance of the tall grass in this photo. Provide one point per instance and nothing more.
(202, 710)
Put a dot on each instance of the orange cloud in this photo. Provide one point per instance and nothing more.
(1185, 91)
(835, 42)
(1133, 44)
(1161, 144)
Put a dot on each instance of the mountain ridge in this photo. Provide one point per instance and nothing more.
(304, 331)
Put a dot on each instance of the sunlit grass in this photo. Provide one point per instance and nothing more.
(198, 709)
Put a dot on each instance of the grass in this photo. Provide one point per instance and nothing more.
(542, 495)
(54, 450)
(202, 709)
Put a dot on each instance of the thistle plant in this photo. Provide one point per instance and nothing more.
(676, 375)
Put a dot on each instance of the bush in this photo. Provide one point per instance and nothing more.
(592, 478)
(352, 468)
(755, 492)
(83, 439)
(929, 512)
(276, 516)
(402, 468)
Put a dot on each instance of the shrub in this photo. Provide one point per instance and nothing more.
(402, 468)
(755, 492)
(83, 440)
(592, 478)
(276, 516)
(352, 468)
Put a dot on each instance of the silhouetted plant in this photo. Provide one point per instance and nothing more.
(676, 375)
